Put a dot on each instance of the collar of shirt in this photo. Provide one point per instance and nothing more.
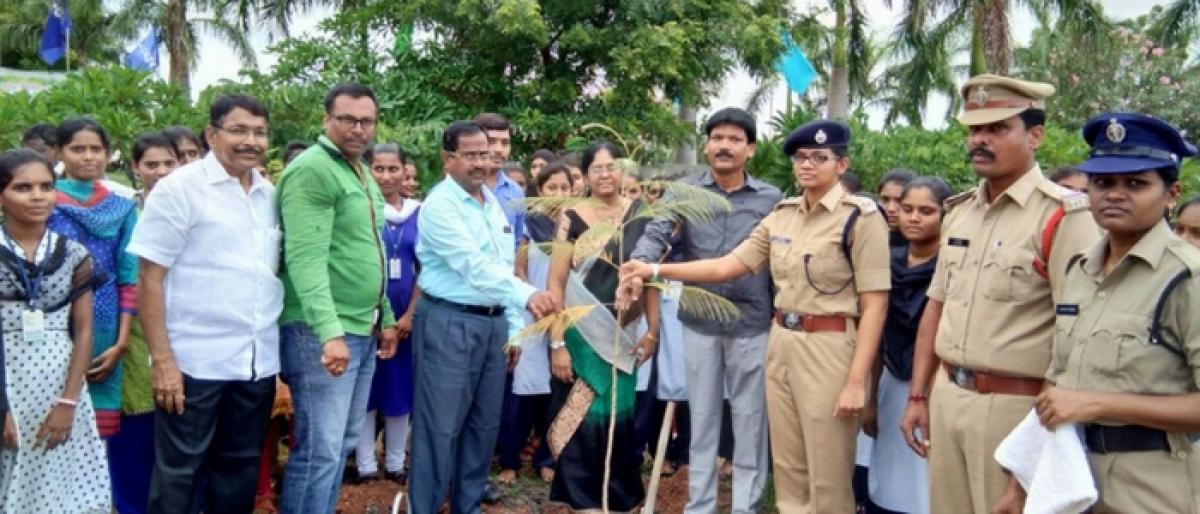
(748, 181)
(460, 194)
(829, 201)
(1020, 191)
(1149, 249)
(506, 186)
(336, 154)
(215, 173)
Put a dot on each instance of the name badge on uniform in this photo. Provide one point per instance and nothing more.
(781, 240)
(394, 269)
(958, 241)
(1066, 309)
(33, 326)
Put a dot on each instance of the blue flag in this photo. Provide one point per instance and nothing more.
(794, 66)
(54, 36)
(143, 56)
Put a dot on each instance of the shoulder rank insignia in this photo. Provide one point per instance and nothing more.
(865, 205)
(958, 199)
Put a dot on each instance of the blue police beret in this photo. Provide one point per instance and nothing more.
(1129, 142)
(817, 134)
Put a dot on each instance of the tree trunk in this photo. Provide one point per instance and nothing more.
(979, 63)
(839, 76)
(178, 47)
(686, 154)
(996, 40)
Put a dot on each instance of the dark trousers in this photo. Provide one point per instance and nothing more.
(459, 362)
(215, 442)
(529, 412)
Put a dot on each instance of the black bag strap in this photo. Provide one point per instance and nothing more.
(1156, 336)
(846, 231)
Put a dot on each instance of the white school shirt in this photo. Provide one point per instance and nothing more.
(221, 246)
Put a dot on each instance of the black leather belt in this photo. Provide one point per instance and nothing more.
(1129, 438)
(479, 310)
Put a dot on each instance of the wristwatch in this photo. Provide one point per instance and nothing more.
(554, 345)
(654, 271)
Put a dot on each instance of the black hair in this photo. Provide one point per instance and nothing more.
(1064, 172)
(456, 131)
(43, 131)
(389, 148)
(732, 116)
(850, 181)
(225, 104)
(589, 153)
(492, 121)
(545, 155)
(940, 189)
(1169, 175)
(511, 166)
(1033, 118)
(13, 159)
(351, 90)
(180, 132)
(571, 159)
(548, 171)
(148, 140)
(293, 148)
(899, 176)
(67, 130)
(1192, 202)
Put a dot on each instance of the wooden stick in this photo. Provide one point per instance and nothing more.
(664, 436)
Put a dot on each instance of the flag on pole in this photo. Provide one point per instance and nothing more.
(794, 66)
(54, 36)
(144, 55)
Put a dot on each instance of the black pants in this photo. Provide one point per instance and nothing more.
(530, 413)
(216, 442)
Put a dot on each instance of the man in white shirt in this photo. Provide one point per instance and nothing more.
(208, 301)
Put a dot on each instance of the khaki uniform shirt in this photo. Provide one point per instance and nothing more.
(1102, 339)
(804, 249)
(998, 313)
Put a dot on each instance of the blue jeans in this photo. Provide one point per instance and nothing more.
(329, 413)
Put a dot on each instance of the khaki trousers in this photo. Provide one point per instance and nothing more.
(966, 427)
(813, 452)
(1155, 481)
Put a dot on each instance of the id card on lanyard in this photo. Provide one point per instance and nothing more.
(33, 320)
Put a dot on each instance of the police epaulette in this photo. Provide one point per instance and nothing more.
(958, 199)
(866, 205)
(1071, 200)
(790, 202)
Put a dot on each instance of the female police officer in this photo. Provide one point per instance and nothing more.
(826, 333)
(1126, 356)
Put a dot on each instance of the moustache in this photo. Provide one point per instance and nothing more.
(248, 151)
(724, 153)
(981, 151)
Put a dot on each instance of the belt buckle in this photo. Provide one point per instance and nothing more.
(963, 377)
(792, 320)
(491, 310)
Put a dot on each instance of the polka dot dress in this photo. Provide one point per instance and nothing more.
(73, 477)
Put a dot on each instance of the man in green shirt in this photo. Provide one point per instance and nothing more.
(334, 301)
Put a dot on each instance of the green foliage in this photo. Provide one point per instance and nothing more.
(124, 101)
(98, 33)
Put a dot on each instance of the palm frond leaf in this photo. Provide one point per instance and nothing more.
(704, 304)
(551, 248)
(552, 204)
(592, 242)
(561, 319)
(684, 202)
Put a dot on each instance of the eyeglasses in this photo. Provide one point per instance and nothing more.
(485, 155)
(817, 159)
(601, 169)
(243, 132)
(348, 122)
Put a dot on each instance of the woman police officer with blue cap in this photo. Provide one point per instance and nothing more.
(1125, 362)
(829, 261)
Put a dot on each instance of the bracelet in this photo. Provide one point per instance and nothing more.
(919, 398)
(67, 402)
(654, 271)
(554, 345)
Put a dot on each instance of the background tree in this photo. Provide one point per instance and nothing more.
(98, 35)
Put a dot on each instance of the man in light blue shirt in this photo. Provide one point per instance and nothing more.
(469, 309)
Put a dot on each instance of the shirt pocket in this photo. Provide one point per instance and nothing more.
(826, 268)
(1008, 275)
(269, 239)
(1060, 350)
(1118, 347)
(781, 255)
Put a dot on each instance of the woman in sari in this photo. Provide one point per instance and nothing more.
(102, 222)
(583, 361)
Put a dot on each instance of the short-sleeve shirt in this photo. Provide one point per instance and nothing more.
(998, 312)
(1102, 337)
(804, 249)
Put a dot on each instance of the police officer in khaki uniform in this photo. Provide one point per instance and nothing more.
(1005, 246)
(1126, 354)
(829, 261)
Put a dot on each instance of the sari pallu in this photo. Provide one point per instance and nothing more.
(578, 436)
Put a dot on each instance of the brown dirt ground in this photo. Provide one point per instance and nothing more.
(528, 495)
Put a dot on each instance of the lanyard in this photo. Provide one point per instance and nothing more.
(32, 284)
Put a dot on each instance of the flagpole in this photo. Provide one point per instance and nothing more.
(67, 50)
